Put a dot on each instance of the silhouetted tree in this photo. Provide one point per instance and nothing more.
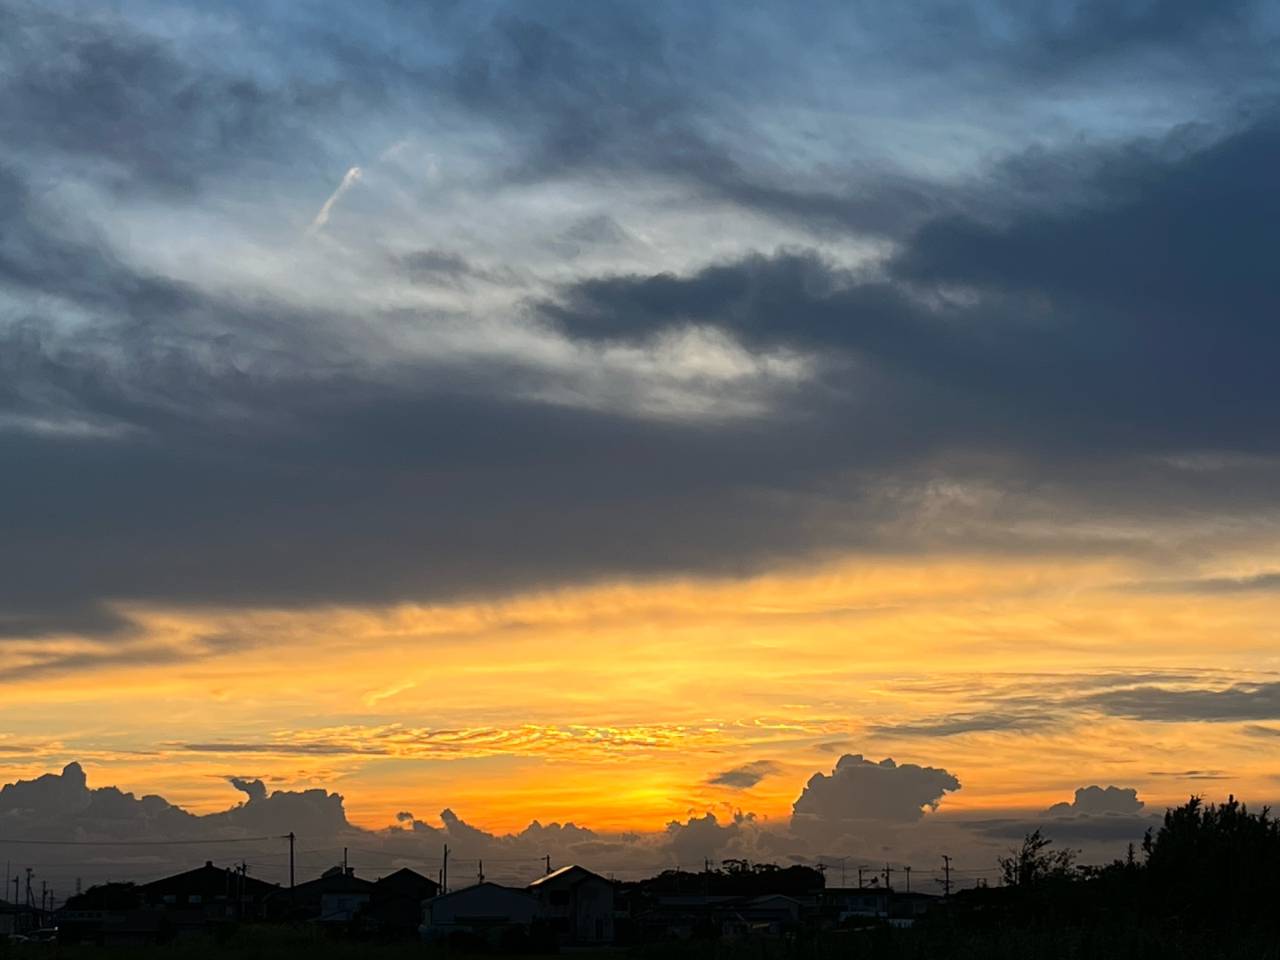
(1209, 863)
(1034, 862)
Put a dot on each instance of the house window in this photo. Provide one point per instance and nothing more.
(194, 898)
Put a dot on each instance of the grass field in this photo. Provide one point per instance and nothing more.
(1024, 943)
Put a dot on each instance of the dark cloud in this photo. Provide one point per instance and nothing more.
(859, 793)
(436, 266)
(703, 838)
(835, 746)
(1106, 829)
(278, 748)
(101, 95)
(745, 776)
(105, 821)
(1258, 583)
(359, 487)
(1191, 774)
(255, 789)
(1241, 701)
(644, 92)
(245, 451)
(1095, 800)
(957, 724)
(1150, 293)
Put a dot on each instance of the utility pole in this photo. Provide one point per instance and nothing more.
(30, 900)
(888, 876)
(946, 874)
(908, 869)
(444, 871)
(44, 896)
(548, 859)
(344, 861)
(861, 870)
(480, 871)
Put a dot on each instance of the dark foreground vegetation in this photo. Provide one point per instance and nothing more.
(931, 941)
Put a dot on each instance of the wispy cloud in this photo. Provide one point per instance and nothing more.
(578, 741)
(745, 776)
(955, 725)
(377, 696)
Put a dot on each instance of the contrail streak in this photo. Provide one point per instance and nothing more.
(348, 179)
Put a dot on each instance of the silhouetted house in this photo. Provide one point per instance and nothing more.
(771, 915)
(906, 908)
(576, 904)
(207, 896)
(680, 917)
(396, 903)
(843, 905)
(8, 918)
(335, 897)
(486, 911)
(110, 914)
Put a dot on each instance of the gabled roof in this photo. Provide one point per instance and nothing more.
(566, 876)
(489, 885)
(208, 879)
(404, 875)
(764, 898)
(406, 883)
(332, 883)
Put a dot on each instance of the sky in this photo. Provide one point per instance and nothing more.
(730, 431)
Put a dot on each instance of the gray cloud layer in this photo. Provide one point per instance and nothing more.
(1242, 701)
(1058, 322)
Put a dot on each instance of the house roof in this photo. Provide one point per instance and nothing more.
(476, 887)
(570, 875)
(404, 877)
(207, 879)
(332, 883)
(765, 898)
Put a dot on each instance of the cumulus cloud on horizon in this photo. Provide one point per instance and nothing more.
(859, 792)
(1095, 800)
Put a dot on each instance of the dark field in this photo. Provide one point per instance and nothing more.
(923, 943)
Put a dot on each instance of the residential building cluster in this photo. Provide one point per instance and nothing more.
(568, 907)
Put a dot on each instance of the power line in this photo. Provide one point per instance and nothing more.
(137, 843)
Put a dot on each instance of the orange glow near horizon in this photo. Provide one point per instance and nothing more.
(614, 705)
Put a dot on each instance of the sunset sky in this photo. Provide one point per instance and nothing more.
(619, 413)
